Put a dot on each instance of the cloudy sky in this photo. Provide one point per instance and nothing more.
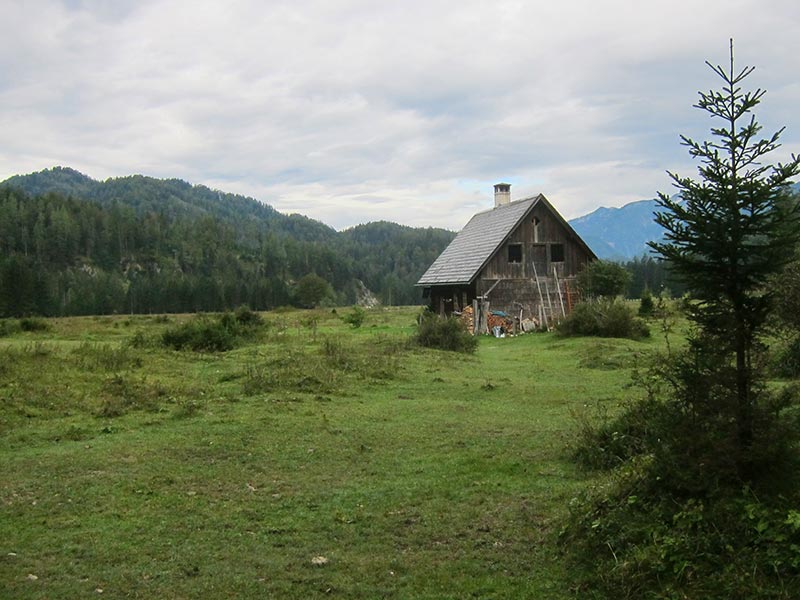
(351, 111)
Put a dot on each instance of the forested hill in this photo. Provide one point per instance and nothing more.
(73, 245)
(172, 198)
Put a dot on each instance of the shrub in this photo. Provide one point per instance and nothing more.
(674, 519)
(246, 317)
(311, 290)
(201, 335)
(33, 324)
(604, 318)
(647, 305)
(602, 278)
(444, 334)
(608, 442)
(785, 359)
(355, 318)
(204, 334)
(9, 327)
(718, 547)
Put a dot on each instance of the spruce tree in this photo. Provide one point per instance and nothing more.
(727, 233)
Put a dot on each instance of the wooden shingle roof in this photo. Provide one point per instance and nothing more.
(482, 237)
(472, 248)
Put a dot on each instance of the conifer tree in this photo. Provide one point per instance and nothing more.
(727, 233)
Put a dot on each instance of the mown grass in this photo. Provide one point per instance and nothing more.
(146, 472)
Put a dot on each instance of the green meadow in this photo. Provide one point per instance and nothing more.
(313, 459)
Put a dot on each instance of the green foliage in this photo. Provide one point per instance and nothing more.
(703, 498)
(443, 333)
(715, 548)
(311, 290)
(29, 324)
(107, 357)
(603, 318)
(122, 394)
(246, 317)
(727, 235)
(9, 327)
(202, 334)
(194, 464)
(602, 278)
(650, 273)
(355, 318)
(73, 246)
(612, 442)
(786, 287)
(785, 351)
(673, 513)
(647, 305)
(785, 358)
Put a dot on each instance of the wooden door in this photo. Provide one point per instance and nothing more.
(536, 257)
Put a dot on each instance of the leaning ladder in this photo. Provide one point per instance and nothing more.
(542, 306)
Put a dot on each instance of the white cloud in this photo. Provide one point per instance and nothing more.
(352, 111)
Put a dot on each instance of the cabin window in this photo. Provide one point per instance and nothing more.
(535, 221)
(556, 252)
(515, 253)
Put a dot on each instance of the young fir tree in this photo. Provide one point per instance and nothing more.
(727, 234)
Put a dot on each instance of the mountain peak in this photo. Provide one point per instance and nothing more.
(619, 233)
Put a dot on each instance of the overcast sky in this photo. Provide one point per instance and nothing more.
(351, 111)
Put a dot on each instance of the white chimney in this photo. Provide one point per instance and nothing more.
(502, 194)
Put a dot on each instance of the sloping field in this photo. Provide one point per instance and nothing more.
(313, 460)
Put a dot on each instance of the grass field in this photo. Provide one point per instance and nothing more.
(316, 460)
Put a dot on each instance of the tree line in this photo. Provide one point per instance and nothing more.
(65, 255)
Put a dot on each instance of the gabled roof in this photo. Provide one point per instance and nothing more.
(481, 237)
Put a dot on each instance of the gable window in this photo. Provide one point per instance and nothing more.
(515, 253)
(556, 252)
(535, 222)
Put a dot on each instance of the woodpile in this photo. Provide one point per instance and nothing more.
(468, 318)
(506, 323)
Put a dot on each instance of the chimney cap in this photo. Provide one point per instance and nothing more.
(501, 186)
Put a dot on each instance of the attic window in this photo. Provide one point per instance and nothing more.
(556, 252)
(535, 221)
(515, 253)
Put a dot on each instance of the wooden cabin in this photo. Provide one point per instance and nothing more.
(518, 259)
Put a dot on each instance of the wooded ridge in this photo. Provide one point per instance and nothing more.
(71, 245)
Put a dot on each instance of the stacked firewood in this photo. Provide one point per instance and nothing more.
(500, 321)
(468, 318)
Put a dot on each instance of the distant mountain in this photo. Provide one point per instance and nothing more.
(622, 233)
(619, 233)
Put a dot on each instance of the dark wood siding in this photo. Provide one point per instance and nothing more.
(512, 287)
(451, 298)
(536, 242)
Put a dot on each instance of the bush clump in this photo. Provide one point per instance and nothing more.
(33, 324)
(647, 304)
(220, 334)
(675, 518)
(718, 547)
(617, 440)
(604, 318)
(200, 335)
(9, 327)
(355, 318)
(785, 358)
(246, 317)
(443, 333)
